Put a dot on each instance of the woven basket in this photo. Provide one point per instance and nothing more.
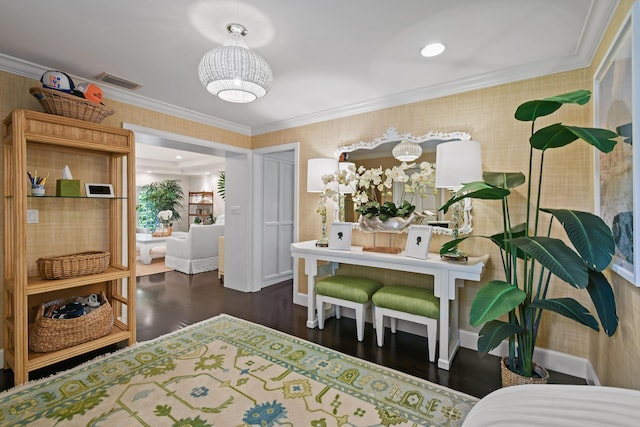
(50, 334)
(510, 378)
(63, 104)
(66, 266)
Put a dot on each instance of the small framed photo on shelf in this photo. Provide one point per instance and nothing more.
(418, 240)
(340, 236)
(99, 190)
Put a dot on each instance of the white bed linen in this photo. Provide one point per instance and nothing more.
(555, 405)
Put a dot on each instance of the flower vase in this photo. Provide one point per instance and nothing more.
(394, 225)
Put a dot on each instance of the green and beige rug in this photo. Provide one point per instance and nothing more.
(229, 372)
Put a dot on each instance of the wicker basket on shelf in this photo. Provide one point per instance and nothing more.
(48, 334)
(63, 104)
(67, 266)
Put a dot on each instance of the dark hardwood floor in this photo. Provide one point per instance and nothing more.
(169, 301)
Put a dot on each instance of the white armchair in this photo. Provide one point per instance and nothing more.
(198, 252)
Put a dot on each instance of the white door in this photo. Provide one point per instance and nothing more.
(278, 222)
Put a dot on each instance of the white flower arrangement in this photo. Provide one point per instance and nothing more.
(374, 185)
(165, 216)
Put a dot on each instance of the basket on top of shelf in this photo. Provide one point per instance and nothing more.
(67, 266)
(49, 334)
(63, 104)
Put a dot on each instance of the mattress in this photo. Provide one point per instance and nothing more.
(555, 405)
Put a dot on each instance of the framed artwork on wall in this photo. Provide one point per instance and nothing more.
(418, 240)
(617, 179)
(340, 236)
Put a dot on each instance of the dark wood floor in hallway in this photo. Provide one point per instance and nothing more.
(169, 301)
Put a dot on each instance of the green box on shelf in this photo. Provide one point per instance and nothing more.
(68, 188)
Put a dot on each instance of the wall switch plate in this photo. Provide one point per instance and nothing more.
(235, 210)
(32, 216)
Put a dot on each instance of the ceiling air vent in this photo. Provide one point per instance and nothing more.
(118, 81)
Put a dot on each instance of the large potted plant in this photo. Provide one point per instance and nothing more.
(159, 196)
(530, 256)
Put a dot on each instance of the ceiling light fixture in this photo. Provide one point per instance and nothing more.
(233, 72)
(433, 49)
(407, 151)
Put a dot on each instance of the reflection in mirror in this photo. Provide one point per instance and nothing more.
(376, 153)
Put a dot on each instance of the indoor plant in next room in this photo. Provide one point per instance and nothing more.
(530, 256)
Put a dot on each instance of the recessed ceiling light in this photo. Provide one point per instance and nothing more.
(433, 49)
(178, 157)
(149, 171)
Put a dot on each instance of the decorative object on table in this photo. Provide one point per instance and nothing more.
(61, 97)
(378, 215)
(530, 256)
(99, 190)
(51, 334)
(316, 169)
(337, 185)
(37, 183)
(67, 186)
(340, 236)
(234, 73)
(156, 197)
(418, 240)
(165, 228)
(171, 381)
(73, 265)
(459, 162)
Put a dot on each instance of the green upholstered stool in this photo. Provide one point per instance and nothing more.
(408, 303)
(346, 291)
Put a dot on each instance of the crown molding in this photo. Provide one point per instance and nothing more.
(34, 71)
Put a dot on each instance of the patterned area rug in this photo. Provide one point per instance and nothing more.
(229, 372)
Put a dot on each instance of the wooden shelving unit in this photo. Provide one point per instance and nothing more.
(66, 225)
(200, 206)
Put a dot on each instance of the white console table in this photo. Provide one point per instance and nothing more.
(448, 276)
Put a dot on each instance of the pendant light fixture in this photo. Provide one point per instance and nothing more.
(233, 72)
(407, 151)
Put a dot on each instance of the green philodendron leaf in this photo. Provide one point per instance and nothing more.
(452, 244)
(557, 257)
(604, 301)
(504, 179)
(559, 135)
(589, 234)
(570, 308)
(519, 230)
(476, 190)
(602, 139)
(494, 332)
(493, 300)
(531, 110)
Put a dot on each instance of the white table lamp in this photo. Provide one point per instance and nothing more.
(458, 163)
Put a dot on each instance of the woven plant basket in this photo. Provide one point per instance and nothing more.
(510, 378)
(50, 334)
(63, 104)
(66, 266)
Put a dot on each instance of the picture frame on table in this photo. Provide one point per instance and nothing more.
(418, 240)
(617, 174)
(340, 236)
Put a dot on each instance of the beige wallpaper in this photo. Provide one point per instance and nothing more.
(487, 115)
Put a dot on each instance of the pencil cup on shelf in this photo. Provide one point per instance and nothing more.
(37, 190)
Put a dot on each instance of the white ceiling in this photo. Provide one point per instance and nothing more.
(330, 58)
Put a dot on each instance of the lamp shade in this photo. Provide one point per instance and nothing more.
(457, 163)
(407, 151)
(233, 72)
(316, 169)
